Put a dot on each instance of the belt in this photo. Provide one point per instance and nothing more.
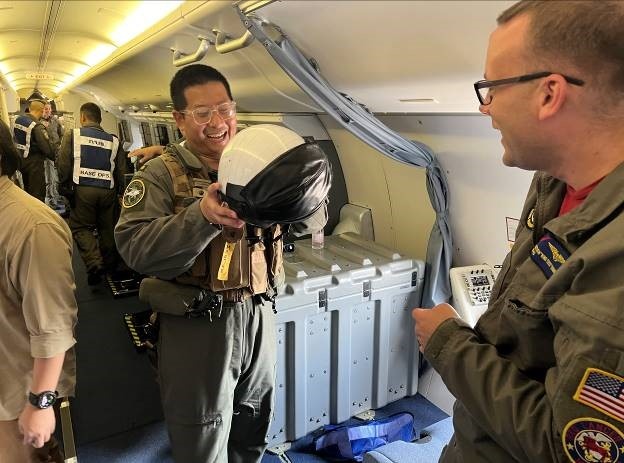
(235, 295)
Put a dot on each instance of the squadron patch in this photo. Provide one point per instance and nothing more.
(602, 391)
(549, 255)
(135, 191)
(588, 440)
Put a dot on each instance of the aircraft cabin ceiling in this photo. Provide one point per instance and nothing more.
(392, 56)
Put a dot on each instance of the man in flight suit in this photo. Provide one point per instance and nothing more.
(216, 366)
(55, 132)
(33, 143)
(541, 376)
(91, 161)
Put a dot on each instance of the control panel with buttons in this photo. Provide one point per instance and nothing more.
(471, 288)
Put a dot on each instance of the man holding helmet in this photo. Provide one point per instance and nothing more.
(216, 267)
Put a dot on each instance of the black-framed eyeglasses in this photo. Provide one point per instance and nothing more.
(482, 87)
(203, 114)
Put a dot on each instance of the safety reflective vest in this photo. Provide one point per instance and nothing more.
(94, 157)
(22, 131)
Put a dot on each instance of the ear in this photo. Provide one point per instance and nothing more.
(553, 93)
(179, 118)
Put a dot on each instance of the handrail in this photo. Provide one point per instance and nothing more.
(181, 58)
(223, 45)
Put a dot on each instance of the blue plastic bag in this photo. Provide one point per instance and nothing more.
(351, 442)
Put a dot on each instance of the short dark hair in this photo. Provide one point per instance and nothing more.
(195, 74)
(92, 112)
(587, 35)
(9, 156)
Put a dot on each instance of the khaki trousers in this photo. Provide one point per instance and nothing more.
(216, 378)
(12, 450)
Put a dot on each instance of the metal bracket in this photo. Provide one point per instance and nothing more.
(280, 450)
(366, 416)
(414, 278)
(366, 289)
(180, 58)
(322, 298)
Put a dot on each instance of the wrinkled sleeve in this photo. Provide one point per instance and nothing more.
(513, 409)
(525, 416)
(151, 237)
(43, 272)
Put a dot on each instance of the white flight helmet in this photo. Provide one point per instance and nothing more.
(269, 174)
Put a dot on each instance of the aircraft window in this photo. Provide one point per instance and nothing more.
(162, 134)
(146, 133)
(124, 131)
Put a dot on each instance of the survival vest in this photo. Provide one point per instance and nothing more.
(22, 131)
(257, 254)
(94, 157)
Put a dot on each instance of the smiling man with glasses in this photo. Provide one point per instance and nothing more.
(216, 347)
(541, 376)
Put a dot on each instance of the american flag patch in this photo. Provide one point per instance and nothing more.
(602, 391)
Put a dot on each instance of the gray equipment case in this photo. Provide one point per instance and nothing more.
(345, 336)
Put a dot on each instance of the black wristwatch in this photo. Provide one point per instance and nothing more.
(44, 400)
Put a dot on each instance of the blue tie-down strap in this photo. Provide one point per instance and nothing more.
(351, 442)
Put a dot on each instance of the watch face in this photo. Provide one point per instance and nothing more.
(46, 399)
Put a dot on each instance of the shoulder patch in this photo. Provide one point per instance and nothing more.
(588, 440)
(602, 391)
(549, 255)
(135, 191)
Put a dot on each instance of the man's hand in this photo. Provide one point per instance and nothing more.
(428, 320)
(36, 425)
(216, 213)
(147, 153)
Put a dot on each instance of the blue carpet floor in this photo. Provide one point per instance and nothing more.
(150, 444)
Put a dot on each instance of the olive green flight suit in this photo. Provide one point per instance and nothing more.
(32, 169)
(216, 372)
(518, 375)
(93, 208)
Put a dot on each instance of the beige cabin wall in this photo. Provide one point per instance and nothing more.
(394, 192)
(483, 192)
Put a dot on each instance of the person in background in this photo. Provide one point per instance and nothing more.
(55, 133)
(216, 364)
(92, 163)
(541, 376)
(34, 145)
(38, 314)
